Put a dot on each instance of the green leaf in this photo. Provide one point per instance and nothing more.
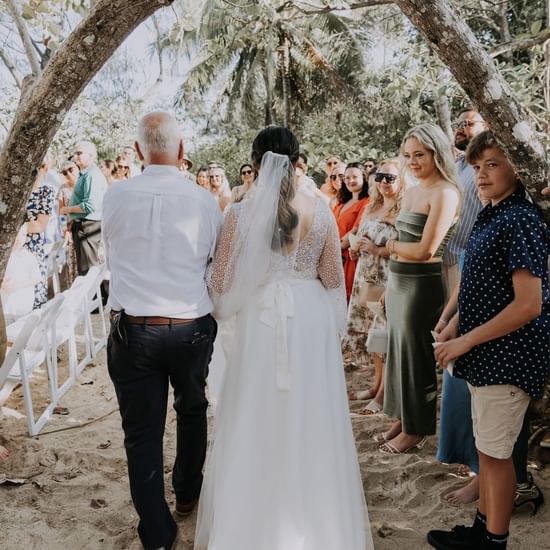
(536, 26)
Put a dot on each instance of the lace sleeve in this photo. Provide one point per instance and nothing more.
(219, 273)
(331, 273)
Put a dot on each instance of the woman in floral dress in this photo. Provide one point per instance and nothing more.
(375, 228)
(70, 172)
(39, 209)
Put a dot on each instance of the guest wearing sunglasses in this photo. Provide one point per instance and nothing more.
(86, 206)
(376, 227)
(247, 175)
(70, 173)
(328, 188)
(335, 180)
(122, 169)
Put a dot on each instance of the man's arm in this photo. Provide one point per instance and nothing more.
(526, 306)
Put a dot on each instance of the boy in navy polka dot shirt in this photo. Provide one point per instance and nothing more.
(500, 336)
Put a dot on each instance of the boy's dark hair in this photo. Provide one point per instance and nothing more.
(481, 142)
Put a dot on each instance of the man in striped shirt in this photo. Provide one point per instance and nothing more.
(468, 125)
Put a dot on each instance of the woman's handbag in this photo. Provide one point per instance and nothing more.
(369, 292)
(377, 339)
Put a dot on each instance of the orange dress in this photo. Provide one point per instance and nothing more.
(346, 221)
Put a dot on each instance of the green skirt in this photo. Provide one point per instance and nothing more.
(414, 301)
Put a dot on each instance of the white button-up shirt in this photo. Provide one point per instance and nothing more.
(159, 231)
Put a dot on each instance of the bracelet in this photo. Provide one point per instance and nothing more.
(390, 245)
(443, 321)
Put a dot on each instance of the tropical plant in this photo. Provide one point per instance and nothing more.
(271, 62)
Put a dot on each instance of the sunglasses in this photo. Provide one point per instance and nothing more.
(334, 176)
(123, 166)
(381, 176)
(246, 172)
(67, 171)
(77, 153)
(333, 163)
(465, 124)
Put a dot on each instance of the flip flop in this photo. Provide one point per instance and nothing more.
(389, 449)
(360, 395)
(372, 408)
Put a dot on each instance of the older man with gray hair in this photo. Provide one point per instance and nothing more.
(85, 207)
(160, 231)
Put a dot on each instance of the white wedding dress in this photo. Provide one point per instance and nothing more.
(282, 473)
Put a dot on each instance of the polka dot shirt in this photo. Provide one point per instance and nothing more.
(511, 235)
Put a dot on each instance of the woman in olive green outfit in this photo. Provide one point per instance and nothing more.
(414, 292)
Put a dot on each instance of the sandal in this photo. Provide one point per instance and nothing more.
(360, 395)
(380, 437)
(372, 408)
(389, 449)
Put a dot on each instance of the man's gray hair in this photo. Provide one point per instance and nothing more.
(88, 147)
(159, 132)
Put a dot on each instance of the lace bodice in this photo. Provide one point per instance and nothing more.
(317, 256)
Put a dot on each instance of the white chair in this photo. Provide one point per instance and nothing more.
(95, 303)
(32, 347)
(53, 265)
(73, 316)
(82, 299)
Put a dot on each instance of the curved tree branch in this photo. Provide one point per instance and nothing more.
(455, 44)
(10, 65)
(521, 44)
(329, 9)
(25, 37)
(44, 105)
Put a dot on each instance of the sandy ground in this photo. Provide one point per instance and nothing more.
(72, 491)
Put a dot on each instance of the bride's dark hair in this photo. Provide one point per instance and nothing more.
(281, 140)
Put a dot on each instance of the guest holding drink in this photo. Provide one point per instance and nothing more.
(353, 197)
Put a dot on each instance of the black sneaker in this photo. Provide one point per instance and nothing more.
(459, 538)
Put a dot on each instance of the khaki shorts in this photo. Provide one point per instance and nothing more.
(497, 417)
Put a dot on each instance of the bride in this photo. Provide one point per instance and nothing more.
(282, 472)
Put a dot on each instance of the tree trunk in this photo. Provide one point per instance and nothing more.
(505, 35)
(268, 97)
(284, 64)
(45, 102)
(455, 44)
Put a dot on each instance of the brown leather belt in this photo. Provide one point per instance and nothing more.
(130, 319)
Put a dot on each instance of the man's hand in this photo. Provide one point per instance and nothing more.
(546, 191)
(450, 350)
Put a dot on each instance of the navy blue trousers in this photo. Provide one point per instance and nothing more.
(143, 360)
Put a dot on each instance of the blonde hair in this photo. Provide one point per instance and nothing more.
(376, 200)
(434, 139)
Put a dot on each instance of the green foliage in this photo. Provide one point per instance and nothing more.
(238, 52)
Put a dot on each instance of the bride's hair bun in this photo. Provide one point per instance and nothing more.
(281, 140)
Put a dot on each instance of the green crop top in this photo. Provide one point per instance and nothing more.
(410, 226)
